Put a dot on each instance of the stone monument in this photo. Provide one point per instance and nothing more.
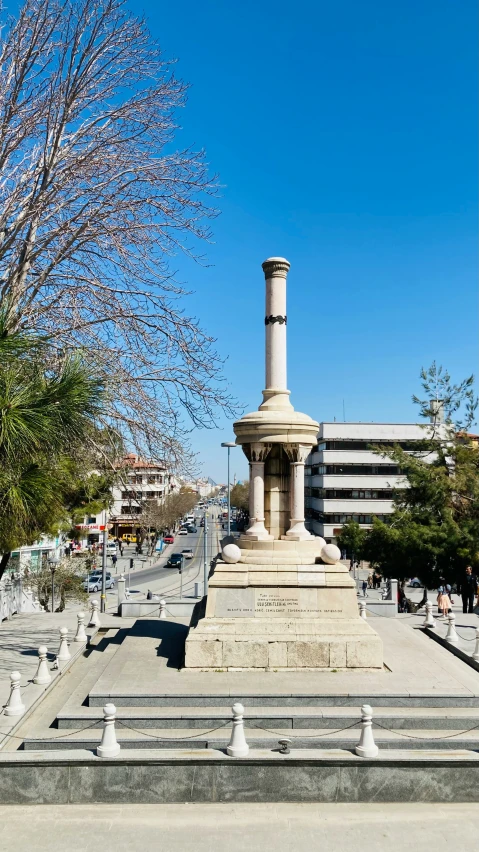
(279, 598)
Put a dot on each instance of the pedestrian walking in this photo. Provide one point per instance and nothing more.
(370, 581)
(114, 560)
(468, 590)
(444, 598)
(364, 588)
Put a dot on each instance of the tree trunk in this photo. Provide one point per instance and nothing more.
(4, 562)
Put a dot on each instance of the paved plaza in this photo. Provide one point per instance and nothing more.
(256, 827)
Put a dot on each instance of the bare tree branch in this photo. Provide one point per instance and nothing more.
(94, 203)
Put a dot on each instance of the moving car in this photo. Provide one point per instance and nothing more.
(192, 529)
(175, 560)
(187, 553)
(183, 531)
(169, 539)
(93, 582)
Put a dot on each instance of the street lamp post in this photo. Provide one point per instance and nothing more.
(53, 562)
(229, 444)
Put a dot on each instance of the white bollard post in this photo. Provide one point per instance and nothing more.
(429, 622)
(366, 746)
(162, 609)
(63, 653)
(237, 746)
(121, 584)
(475, 655)
(43, 674)
(451, 635)
(94, 616)
(109, 747)
(15, 706)
(80, 635)
(362, 610)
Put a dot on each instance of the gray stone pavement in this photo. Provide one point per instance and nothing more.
(20, 638)
(278, 827)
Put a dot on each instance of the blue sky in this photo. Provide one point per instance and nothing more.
(345, 136)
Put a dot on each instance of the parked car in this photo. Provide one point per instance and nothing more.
(183, 531)
(175, 560)
(187, 553)
(169, 539)
(415, 583)
(93, 582)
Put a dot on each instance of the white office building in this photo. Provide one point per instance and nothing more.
(346, 480)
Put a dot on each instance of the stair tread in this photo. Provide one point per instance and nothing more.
(272, 712)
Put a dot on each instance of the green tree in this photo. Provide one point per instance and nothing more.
(352, 538)
(239, 496)
(434, 529)
(46, 417)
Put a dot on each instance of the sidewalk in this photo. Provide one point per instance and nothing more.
(20, 638)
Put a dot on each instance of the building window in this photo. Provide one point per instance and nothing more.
(366, 445)
(359, 469)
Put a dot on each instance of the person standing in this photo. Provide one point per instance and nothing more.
(444, 598)
(114, 560)
(364, 587)
(468, 590)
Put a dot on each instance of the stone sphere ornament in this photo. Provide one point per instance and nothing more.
(330, 554)
(231, 553)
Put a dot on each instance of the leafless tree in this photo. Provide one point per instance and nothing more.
(94, 202)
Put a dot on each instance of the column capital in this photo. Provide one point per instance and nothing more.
(276, 267)
(256, 452)
(297, 453)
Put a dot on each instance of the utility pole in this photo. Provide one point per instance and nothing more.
(229, 444)
(103, 566)
(205, 554)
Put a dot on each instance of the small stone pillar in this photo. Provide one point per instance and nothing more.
(237, 746)
(80, 635)
(121, 586)
(63, 653)
(162, 609)
(94, 615)
(429, 621)
(451, 635)
(109, 747)
(475, 655)
(15, 706)
(366, 746)
(42, 675)
(362, 609)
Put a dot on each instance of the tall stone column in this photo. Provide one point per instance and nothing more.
(257, 454)
(297, 454)
(276, 393)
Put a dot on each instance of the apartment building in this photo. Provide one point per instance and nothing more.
(346, 480)
(142, 481)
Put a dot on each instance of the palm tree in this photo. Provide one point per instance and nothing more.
(48, 409)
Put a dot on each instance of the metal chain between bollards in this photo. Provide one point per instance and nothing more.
(166, 739)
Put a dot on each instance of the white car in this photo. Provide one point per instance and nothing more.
(187, 553)
(183, 532)
(93, 582)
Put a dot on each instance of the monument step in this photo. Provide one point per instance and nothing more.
(287, 718)
(427, 700)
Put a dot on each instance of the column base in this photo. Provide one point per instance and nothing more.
(297, 531)
(257, 531)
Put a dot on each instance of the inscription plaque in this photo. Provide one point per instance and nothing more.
(234, 603)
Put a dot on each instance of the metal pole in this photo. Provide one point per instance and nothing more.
(103, 567)
(53, 591)
(181, 579)
(229, 501)
(205, 557)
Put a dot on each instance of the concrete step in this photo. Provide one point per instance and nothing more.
(286, 718)
(100, 698)
(165, 738)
